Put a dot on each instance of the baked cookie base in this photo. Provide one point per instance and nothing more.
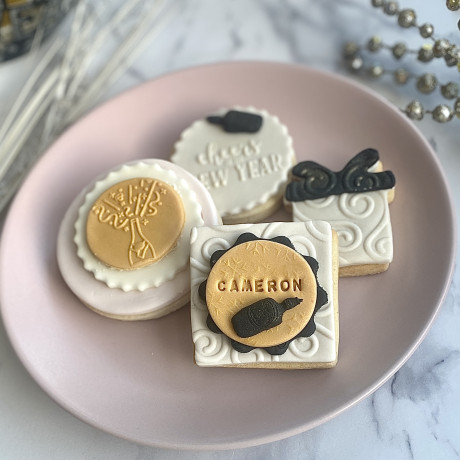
(360, 270)
(258, 214)
(172, 307)
(318, 351)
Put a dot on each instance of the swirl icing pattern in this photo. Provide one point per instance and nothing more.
(305, 347)
(350, 235)
(356, 205)
(213, 245)
(362, 222)
(257, 355)
(209, 346)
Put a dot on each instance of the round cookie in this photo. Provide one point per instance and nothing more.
(243, 157)
(162, 285)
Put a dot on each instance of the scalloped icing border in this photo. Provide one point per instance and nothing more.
(166, 268)
(278, 185)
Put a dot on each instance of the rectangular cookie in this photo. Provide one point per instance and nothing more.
(355, 201)
(265, 295)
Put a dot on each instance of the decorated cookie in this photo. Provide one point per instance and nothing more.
(265, 295)
(243, 157)
(355, 201)
(134, 223)
(124, 244)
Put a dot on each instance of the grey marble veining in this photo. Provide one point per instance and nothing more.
(415, 414)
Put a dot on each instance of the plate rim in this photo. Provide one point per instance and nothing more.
(280, 434)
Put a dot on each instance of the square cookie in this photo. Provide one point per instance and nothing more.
(355, 201)
(265, 295)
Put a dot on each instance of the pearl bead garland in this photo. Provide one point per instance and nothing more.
(426, 83)
(453, 5)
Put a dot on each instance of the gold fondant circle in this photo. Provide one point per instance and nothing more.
(135, 223)
(255, 270)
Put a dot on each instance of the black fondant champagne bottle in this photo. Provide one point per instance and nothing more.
(261, 315)
(235, 121)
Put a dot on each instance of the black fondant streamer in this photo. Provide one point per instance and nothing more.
(307, 331)
(317, 181)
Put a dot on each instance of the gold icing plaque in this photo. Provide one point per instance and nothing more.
(255, 270)
(135, 223)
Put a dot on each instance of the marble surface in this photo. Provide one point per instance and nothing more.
(415, 413)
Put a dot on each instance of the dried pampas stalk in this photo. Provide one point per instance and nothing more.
(58, 91)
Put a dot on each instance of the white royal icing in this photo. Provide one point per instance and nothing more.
(240, 170)
(309, 238)
(150, 303)
(361, 220)
(155, 274)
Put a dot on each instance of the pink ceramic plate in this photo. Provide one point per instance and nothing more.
(138, 380)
